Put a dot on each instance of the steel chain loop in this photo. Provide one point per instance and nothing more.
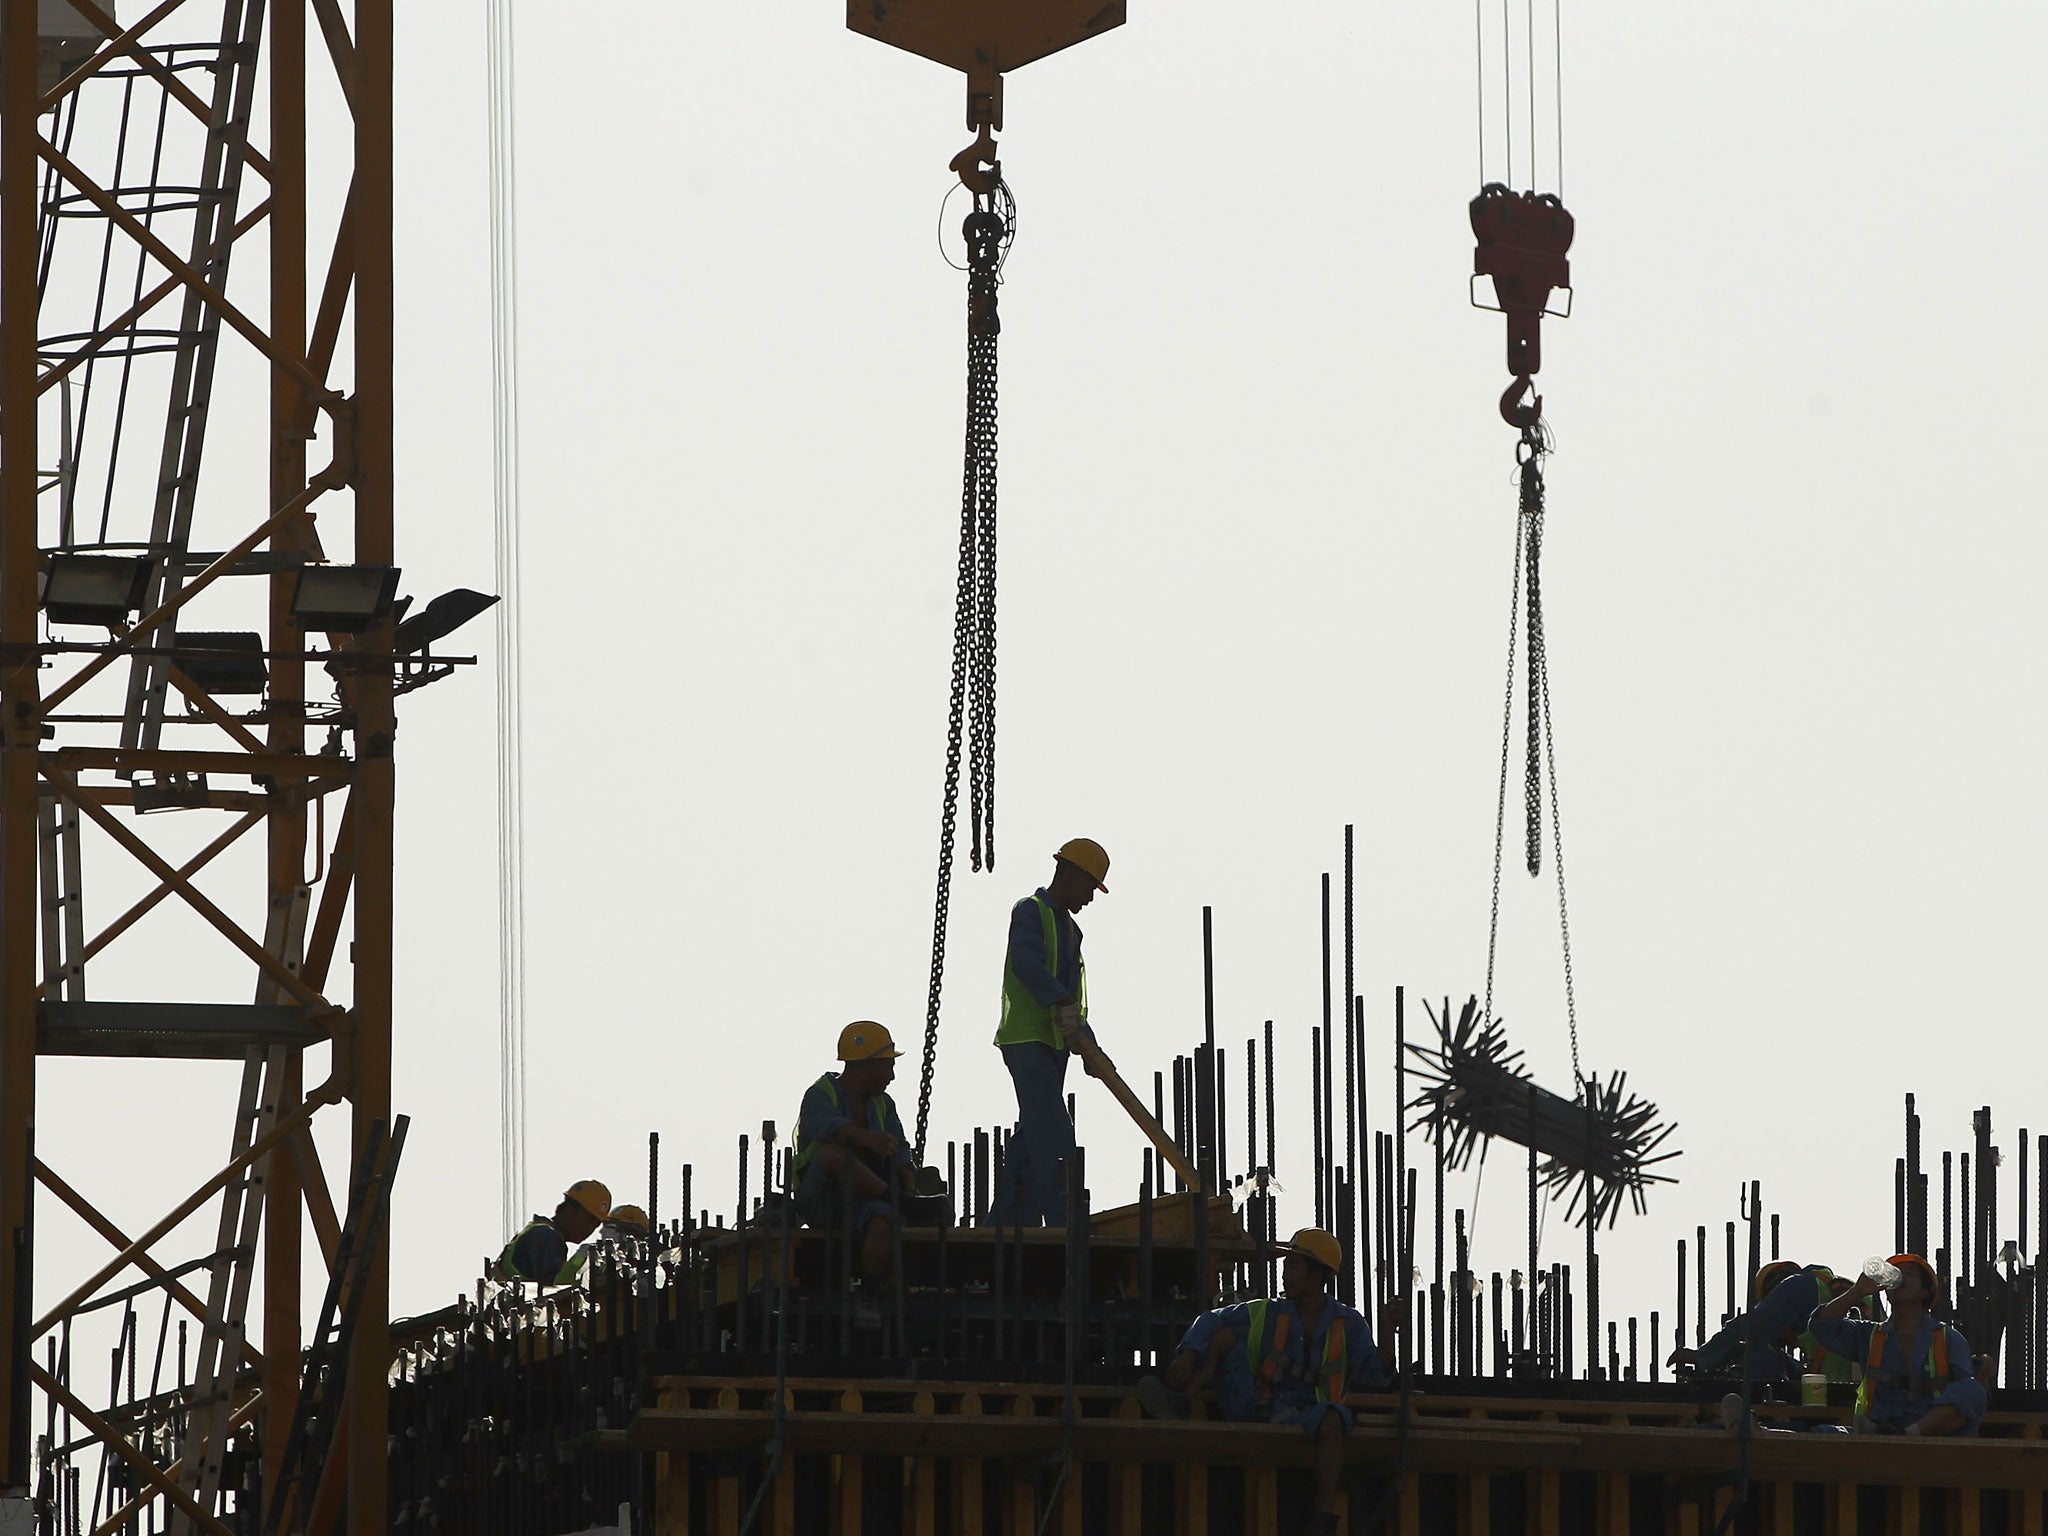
(971, 701)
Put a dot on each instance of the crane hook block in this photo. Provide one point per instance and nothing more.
(986, 35)
(1522, 239)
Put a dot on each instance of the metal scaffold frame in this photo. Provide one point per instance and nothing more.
(274, 1181)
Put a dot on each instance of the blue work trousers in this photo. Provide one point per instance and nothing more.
(1033, 1191)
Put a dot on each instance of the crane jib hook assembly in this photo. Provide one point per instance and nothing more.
(982, 41)
(1521, 240)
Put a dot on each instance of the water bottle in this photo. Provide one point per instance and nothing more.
(1884, 1272)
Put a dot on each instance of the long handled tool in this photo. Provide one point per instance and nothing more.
(1082, 1044)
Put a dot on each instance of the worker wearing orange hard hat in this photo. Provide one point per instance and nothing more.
(1045, 1002)
(540, 1252)
(1289, 1360)
(1918, 1377)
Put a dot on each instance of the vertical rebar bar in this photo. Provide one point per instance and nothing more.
(1326, 1132)
(1732, 1308)
(1916, 1201)
(1351, 1062)
(1699, 1326)
(1678, 1330)
(1271, 1164)
(1315, 1076)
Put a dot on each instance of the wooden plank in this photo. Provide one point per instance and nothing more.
(725, 1487)
(1262, 1500)
(1475, 1503)
(1020, 1482)
(921, 1478)
(782, 1503)
(1902, 1511)
(846, 1478)
(1778, 1498)
(1965, 1506)
(967, 1491)
(1127, 1483)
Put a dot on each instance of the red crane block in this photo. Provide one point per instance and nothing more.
(1522, 240)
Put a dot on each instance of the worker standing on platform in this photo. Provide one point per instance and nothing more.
(1045, 1002)
(1288, 1361)
(540, 1252)
(1918, 1378)
(850, 1148)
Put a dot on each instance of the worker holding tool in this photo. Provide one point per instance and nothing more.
(540, 1253)
(1286, 1361)
(1786, 1296)
(850, 1150)
(1918, 1378)
(1045, 1015)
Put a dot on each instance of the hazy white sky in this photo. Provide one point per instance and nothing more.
(1258, 512)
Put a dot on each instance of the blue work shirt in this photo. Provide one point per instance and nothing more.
(1027, 951)
(1785, 1310)
(1294, 1385)
(539, 1252)
(820, 1119)
(1902, 1393)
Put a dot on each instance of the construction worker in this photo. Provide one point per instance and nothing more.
(850, 1148)
(540, 1252)
(1045, 1003)
(1288, 1361)
(625, 1223)
(1785, 1295)
(1918, 1378)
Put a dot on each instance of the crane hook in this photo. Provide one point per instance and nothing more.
(1518, 408)
(977, 166)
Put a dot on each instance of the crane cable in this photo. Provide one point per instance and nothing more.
(1522, 243)
(989, 229)
(505, 549)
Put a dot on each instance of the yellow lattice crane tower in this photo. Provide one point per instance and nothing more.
(129, 580)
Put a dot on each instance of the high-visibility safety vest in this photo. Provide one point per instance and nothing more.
(1937, 1364)
(504, 1269)
(1267, 1357)
(879, 1111)
(1025, 1018)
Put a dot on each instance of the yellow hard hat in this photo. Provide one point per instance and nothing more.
(1086, 855)
(629, 1216)
(1314, 1243)
(592, 1196)
(865, 1040)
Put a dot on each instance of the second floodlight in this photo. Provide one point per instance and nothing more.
(343, 599)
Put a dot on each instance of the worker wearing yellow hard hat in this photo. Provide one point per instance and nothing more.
(1045, 1001)
(541, 1250)
(850, 1150)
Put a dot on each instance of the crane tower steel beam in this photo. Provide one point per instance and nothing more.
(97, 345)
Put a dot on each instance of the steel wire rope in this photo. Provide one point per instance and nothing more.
(1557, 96)
(511, 746)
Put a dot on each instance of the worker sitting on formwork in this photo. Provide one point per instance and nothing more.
(850, 1150)
(1287, 1361)
(1785, 1296)
(1918, 1378)
(1045, 1002)
(540, 1252)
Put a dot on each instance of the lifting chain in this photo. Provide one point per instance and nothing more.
(1539, 755)
(971, 705)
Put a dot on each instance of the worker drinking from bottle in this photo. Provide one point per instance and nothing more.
(1917, 1375)
(1045, 1003)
